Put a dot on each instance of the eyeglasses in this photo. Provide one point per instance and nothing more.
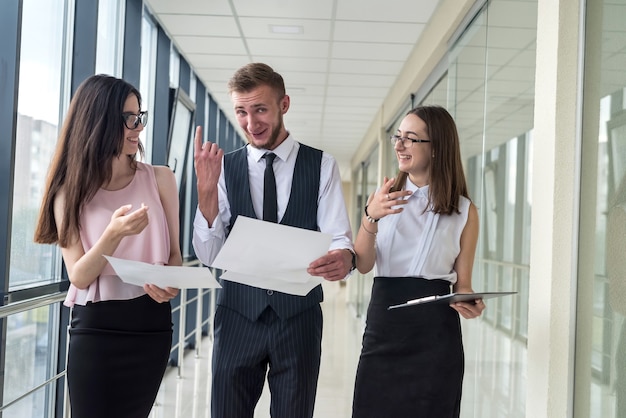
(406, 141)
(131, 121)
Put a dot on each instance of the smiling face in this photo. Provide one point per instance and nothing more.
(260, 115)
(131, 136)
(416, 159)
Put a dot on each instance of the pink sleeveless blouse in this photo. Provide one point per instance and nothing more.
(152, 245)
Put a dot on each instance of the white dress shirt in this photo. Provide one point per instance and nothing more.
(418, 243)
(332, 217)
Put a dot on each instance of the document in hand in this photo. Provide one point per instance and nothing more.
(271, 256)
(180, 277)
(451, 298)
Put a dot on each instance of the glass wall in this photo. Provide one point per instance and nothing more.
(365, 180)
(490, 93)
(601, 333)
(39, 101)
(438, 95)
(30, 361)
(30, 345)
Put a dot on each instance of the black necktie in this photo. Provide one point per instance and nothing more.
(270, 206)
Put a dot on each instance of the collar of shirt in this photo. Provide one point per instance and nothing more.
(417, 191)
(282, 151)
(283, 172)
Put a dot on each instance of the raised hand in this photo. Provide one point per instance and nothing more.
(125, 223)
(384, 202)
(207, 159)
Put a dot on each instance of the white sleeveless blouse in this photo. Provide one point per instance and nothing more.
(419, 243)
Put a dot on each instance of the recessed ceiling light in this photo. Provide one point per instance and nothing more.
(285, 29)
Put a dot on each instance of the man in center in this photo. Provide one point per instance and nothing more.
(259, 331)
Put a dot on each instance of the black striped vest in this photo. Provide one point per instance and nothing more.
(301, 212)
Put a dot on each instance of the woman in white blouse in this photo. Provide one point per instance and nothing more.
(419, 231)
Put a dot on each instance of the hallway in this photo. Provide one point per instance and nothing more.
(493, 386)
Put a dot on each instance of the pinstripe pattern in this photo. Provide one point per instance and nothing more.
(254, 327)
(292, 347)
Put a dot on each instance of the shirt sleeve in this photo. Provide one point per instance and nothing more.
(332, 216)
(208, 240)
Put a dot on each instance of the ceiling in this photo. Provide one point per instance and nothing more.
(339, 58)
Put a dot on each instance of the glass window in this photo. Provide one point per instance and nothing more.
(359, 199)
(109, 49)
(438, 95)
(491, 96)
(193, 81)
(174, 67)
(29, 363)
(372, 178)
(40, 88)
(30, 341)
(600, 375)
(147, 79)
(366, 182)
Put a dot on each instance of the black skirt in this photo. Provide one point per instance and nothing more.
(118, 352)
(412, 361)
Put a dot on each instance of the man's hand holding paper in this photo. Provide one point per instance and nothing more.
(332, 266)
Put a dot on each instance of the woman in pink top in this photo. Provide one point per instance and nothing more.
(100, 200)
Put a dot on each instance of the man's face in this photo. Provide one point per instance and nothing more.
(260, 114)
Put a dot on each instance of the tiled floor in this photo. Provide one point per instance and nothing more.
(189, 395)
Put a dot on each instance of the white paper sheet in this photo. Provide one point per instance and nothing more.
(300, 289)
(180, 277)
(271, 256)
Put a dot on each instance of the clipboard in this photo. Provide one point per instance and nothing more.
(451, 298)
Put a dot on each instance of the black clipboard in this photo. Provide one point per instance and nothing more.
(451, 298)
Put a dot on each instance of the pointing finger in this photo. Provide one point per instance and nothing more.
(198, 140)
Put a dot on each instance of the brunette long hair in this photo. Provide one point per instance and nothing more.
(447, 179)
(92, 135)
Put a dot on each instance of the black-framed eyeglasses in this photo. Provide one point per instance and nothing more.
(131, 120)
(406, 141)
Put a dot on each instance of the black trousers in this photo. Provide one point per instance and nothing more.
(412, 361)
(118, 353)
(244, 349)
